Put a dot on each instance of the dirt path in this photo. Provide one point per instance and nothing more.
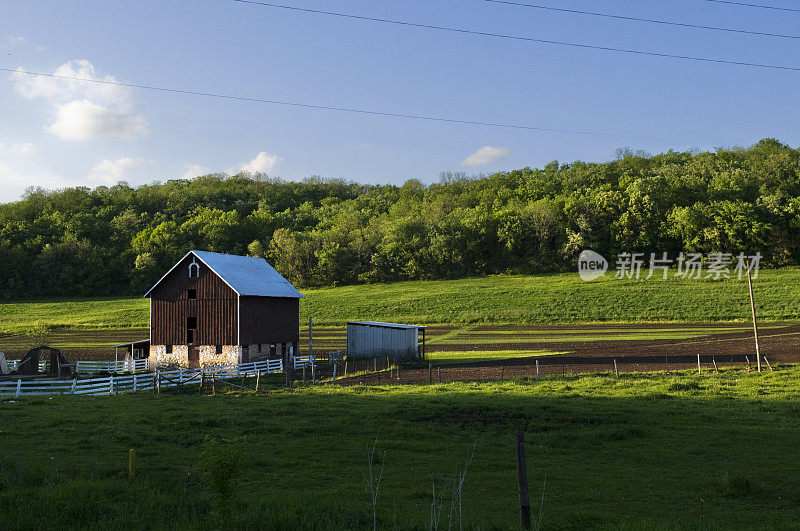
(780, 344)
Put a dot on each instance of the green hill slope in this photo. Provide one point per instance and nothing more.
(494, 299)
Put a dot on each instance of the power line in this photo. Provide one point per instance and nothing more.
(648, 20)
(315, 106)
(521, 38)
(760, 6)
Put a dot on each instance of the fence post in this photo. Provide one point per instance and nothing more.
(537, 369)
(258, 378)
(213, 384)
(19, 388)
(74, 385)
(616, 370)
(134, 382)
(698, 363)
(522, 475)
(131, 463)
(111, 384)
(335, 364)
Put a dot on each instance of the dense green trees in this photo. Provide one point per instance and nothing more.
(120, 239)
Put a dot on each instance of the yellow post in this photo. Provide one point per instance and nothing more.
(753, 309)
(131, 463)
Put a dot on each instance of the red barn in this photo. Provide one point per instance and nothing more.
(220, 309)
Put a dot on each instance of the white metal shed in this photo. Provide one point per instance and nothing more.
(369, 339)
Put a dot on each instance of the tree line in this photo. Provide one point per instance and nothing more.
(119, 240)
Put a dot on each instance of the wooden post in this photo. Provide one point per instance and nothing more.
(522, 475)
(753, 310)
(310, 338)
(714, 361)
(767, 362)
(258, 378)
(374, 364)
(335, 364)
(131, 463)
(748, 362)
(698, 363)
(345, 369)
(616, 369)
(111, 384)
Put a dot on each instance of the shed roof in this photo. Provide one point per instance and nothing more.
(384, 325)
(246, 275)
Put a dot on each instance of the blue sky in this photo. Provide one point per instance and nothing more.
(56, 133)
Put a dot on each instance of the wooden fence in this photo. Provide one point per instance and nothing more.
(302, 361)
(110, 385)
(93, 367)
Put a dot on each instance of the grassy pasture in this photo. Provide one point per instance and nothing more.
(638, 452)
(518, 299)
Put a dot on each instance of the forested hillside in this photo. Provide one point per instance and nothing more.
(120, 239)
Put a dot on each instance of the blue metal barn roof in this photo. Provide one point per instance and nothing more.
(246, 275)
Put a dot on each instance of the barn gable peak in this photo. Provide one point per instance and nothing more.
(246, 275)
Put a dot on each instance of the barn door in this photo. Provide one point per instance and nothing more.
(194, 358)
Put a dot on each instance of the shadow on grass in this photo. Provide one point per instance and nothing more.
(636, 452)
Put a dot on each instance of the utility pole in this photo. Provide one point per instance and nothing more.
(753, 310)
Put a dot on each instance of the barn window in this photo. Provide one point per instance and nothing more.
(219, 349)
(192, 294)
(191, 326)
(169, 349)
(194, 269)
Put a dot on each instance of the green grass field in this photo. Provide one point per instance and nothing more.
(639, 452)
(496, 299)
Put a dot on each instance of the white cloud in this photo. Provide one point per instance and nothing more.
(193, 170)
(82, 120)
(261, 163)
(113, 171)
(68, 87)
(19, 169)
(25, 149)
(83, 110)
(17, 41)
(486, 155)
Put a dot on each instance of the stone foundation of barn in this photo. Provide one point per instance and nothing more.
(231, 354)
